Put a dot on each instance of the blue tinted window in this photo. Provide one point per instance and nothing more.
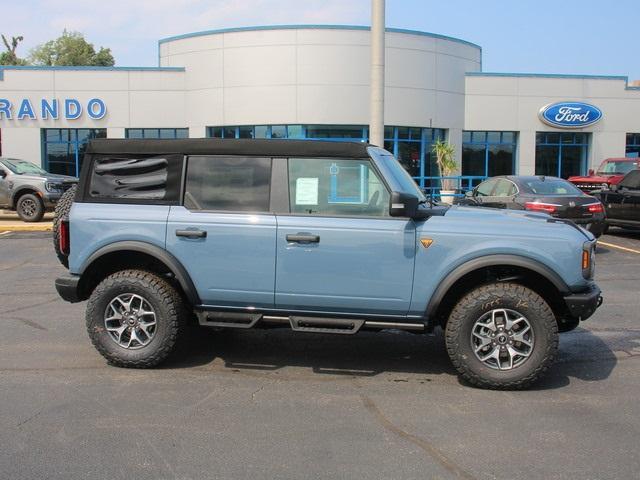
(487, 154)
(63, 149)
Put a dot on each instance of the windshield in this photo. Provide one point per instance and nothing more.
(608, 167)
(551, 186)
(400, 175)
(21, 167)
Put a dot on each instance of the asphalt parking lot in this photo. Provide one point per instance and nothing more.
(273, 404)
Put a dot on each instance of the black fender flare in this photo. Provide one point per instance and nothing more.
(491, 261)
(174, 265)
(23, 189)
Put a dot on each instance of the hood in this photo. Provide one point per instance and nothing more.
(600, 178)
(495, 221)
(49, 177)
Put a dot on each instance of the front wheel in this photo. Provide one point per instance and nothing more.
(30, 208)
(135, 318)
(502, 336)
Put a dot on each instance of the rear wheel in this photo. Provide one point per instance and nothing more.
(502, 336)
(135, 318)
(30, 208)
(62, 210)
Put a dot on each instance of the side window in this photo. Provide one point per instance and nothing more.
(484, 189)
(140, 178)
(336, 187)
(631, 180)
(504, 188)
(234, 184)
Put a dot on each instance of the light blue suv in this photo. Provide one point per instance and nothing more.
(321, 237)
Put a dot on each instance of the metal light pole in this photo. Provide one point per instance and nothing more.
(376, 109)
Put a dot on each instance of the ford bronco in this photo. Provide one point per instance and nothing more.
(320, 237)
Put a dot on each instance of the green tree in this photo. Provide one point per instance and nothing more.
(10, 57)
(70, 49)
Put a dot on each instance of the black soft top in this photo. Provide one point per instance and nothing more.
(218, 146)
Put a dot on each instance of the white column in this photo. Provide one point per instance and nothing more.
(376, 120)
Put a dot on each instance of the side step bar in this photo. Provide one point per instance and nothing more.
(326, 325)
(344, 326)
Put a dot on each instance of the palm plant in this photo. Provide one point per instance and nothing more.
(447, 165)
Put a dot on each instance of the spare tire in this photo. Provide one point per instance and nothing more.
(61, 212)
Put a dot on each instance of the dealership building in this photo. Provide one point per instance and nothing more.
(312, 82)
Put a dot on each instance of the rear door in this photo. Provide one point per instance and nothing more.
(223, 233)
(338, 248)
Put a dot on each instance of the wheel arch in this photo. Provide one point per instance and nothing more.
(24, 189)
(132, 254)
(519, 269)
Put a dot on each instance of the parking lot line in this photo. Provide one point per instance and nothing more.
(4, 233)
(613, 245)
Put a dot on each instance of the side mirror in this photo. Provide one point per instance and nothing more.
(403, 205)
(591, 171)
(468, 193)
(3, 174)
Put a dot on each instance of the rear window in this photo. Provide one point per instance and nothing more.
(232, 184)
(154, 179)
(551, 186)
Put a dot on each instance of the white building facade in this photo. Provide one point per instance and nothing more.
(312, 82)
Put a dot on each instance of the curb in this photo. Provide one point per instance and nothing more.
(26, 228)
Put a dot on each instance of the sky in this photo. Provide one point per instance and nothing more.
(526, 36)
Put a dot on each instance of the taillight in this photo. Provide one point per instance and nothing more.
(541, 207)
(595, 208)
(63, 237)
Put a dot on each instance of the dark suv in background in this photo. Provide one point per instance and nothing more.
(622, 201)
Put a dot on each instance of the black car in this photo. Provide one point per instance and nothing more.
(552, 195)
(622, 201)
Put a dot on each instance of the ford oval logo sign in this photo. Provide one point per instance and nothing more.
(570, 114)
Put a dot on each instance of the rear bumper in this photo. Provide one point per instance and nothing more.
(67, 288)
(583, 304)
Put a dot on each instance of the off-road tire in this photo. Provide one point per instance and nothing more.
(62, 210)
(495, 296)
(36, 207)
(170, 317)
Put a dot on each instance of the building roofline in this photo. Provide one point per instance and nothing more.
(88, 68)
(314, 27)
(623, 78)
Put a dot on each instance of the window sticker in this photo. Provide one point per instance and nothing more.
(307, 191)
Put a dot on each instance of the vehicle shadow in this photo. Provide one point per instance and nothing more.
(366, 354)
(583, 355)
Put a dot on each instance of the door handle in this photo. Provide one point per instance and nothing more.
(303, 238)
(191, 233)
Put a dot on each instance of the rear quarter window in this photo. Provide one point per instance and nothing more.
(139, 179)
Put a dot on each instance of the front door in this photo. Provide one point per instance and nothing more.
(338, 250)
(224, 234)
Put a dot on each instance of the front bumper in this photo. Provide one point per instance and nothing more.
(67, 288)
(583, 304)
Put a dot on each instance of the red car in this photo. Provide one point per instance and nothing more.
(610, 172)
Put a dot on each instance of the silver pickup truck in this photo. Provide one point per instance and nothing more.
(30, 190)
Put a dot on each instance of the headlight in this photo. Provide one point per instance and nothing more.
(53, 187)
